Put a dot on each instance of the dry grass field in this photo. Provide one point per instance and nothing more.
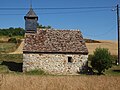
(111, 45)
(23, 82)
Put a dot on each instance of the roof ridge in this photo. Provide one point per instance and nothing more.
(60, 29)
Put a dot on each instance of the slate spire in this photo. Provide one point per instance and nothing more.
(31, 13)
(31, 21)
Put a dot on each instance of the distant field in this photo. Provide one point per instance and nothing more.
(7, 47)
(23, 82)
(111, 45)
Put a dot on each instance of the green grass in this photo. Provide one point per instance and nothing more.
(115, 70)
(18, 58)
(18, 37)
(7, 47)
(4, 69)
(36, 72)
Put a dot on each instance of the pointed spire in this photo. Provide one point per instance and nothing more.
(31, 12)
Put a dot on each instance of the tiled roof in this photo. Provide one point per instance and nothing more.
(55, 41)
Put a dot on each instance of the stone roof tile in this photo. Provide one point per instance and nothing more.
(55, 41)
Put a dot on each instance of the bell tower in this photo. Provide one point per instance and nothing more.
(31, 21)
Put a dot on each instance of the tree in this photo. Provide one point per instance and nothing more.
(43, 27)
(101, 60)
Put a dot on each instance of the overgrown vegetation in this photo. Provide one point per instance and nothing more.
(36, 72)
(14, 40)
(101, 60)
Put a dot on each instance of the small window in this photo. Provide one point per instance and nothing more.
(70, 59)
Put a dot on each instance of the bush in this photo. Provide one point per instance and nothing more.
(12, 40)
(114, 59)
(101, 60)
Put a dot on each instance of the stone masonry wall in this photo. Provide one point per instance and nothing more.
(54, 63)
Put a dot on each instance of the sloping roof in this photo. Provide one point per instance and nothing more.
(55, 41)
(31, 13)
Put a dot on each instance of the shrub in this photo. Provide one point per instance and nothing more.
(114, 59)
(12, 40)
(101, 60)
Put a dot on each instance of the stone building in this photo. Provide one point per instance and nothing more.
(54, 51)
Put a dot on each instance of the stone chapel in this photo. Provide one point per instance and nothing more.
(51, 50)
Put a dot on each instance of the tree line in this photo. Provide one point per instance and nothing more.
(12, 32)
(18, 31)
